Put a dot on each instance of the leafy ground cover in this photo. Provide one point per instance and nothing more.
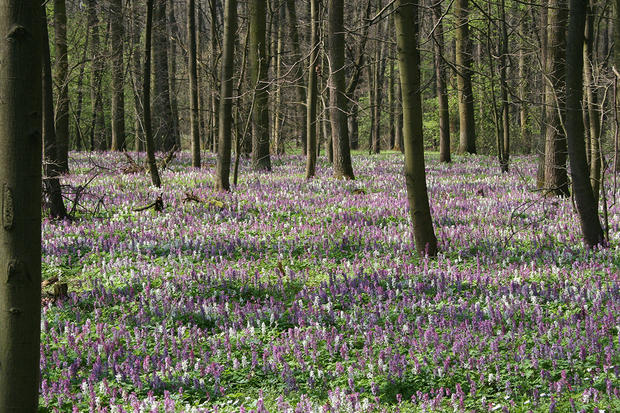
(294, 295)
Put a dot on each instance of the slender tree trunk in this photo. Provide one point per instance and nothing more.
(593, 106)
(173, 35)
(400, 144)
(503, 61)
(463, 62)
(391, 126)
(297, 72)
(353, 122)
(617, 65)
(406, 19)
(526, 138)
(146, 99)
(258, 70)
(118, 72)
(541, 141)
(312, 91)
(225, 110)
(98, 134)
(379, 72)
(215, 103)
(51, 166)
(556, 177)
(163, 123)
(136, 79)
(584, 198)
(193, 83)
(20, 204)
(62, 80)
(338, 99)
(442, 89)
(278, 138)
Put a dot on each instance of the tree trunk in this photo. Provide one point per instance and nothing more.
(503, 61)
(163, 124)
(297, 73)
(278, 137)
(556, 177)
(118, 72)
(400, 144)
(62, 80)
(442, 90)
(225, 109)
(379, 72)
(617, 64)
(20, 203)
(584, 198)
(172, 54)
(593, 106)
(312, 91)
(337, 97)
(406, 19)
(258, 70)
(465, 94)
(136, 80)
(526, 138)
(146, 99)
(353, 122)
(541, 141)
(51, 165)
(390, 105)
(97, 134)
(193, 83)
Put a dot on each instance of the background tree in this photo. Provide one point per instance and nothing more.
(62, 81)
(338, 99)
(463, 66)
(20, 204)
(163, 124)
(146, 97)
(312, 91)
(193, 83)
(442, 91)
(118, 75)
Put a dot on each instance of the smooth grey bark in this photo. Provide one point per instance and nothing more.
(61, 77)
(584, 198)
(193, 83)
(556, 176)
(118, 74)
(51, 165)
(467, 128)
(440, 80)
(225, 108)
(338, 99)
(146, 97)
(406, 19)
(20, 204)
(312, 91)
(257, 57)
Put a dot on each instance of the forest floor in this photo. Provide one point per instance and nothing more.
(294, 295)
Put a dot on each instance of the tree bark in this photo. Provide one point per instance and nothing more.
(225, 110)
(594, 116)
(465, 94)
(312, 91)
(297, 72)
(51, 165)
(617, 65)
(442, 89)
(118, 70)
(20, 204)
(163, 124)
(193, 83)
(556, 177)
(98, 138)
(62, 80)
(258, 71)
(337, 97)
(406, 19)
(146, 99)
(584, 198)
(172, 78)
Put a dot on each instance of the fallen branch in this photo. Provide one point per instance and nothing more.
(157, 205)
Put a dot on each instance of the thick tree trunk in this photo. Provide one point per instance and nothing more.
(463, 62)
(146, 99)
(163, 123)
(62, 82)
(225, 109)
(337, 97)
(51, 165)
(193, 83)
(442, 89)
(258, 70)
(118, 73)
(584, 198)
(406, 19)
(312, 91)
(20, 204)
(556, 177)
